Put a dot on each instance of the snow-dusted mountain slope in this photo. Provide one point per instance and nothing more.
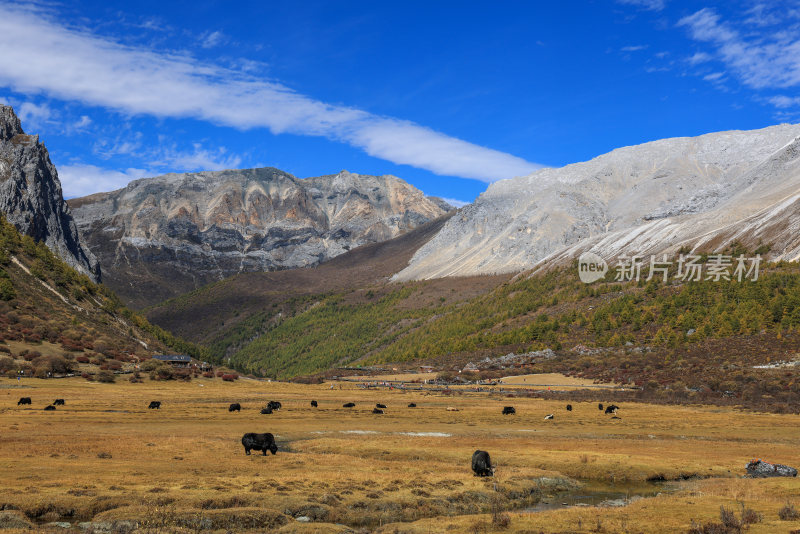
(703, 192)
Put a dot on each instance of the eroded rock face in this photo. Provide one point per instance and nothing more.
(31, 198)
(697, 192)
(163, 236)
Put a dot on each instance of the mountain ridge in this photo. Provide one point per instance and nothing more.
(31, 195)
(694, 182)
(162, 236)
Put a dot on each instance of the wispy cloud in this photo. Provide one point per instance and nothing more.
(34, 116)
(698, 58)
(211, 39)
(83, 122)
(635, 48)
(652, 5)
(39, 55)
(783, 101)
(766, 60)
(78, 180)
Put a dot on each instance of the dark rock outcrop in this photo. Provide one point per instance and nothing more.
(761, 469)
(31, 198)
(160, 237)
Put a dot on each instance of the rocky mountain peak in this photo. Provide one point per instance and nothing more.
(31, 196)
(9, 123)
(159, 237)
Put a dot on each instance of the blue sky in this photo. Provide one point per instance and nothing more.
(449, 96)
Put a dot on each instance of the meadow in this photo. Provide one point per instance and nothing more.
(105, 458)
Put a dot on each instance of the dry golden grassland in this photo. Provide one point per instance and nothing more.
(106, 457)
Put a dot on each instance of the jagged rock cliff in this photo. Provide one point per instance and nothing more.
(701, 192)
(31, 198)
(159, 237)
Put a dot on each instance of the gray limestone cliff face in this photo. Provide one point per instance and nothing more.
(698, 192)
(31, 197)
(159, 237)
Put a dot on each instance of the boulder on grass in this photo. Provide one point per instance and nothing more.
(761, 469)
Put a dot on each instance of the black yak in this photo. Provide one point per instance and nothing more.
(58, 402)
(412, 405)
(600, 407)
(24, 400)
(259, 442)
(50, 407)
(509, 410)
(379, 405)
(569, 407)
(235, 407)
(612, 408)
(266, 410)
(376, 410)
(482, 464)
(313, 404)
(349, 405)
(154, 405)
(275, 405)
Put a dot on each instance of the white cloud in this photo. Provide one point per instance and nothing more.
(211, 39)
(78, 180)
(37, 55)
(768, 60)
(83, 122)
(714, 76)
(652, 5)
(633, 48)
(33, 116)
(699, 57)
(198, 159)
(783, 101)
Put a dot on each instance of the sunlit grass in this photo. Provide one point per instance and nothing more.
(349, 466)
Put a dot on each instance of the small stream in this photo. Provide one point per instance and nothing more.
(600, 494)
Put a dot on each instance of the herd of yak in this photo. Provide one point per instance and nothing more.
(481, 462)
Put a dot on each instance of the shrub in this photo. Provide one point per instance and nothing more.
(82, 359)
(7, 364)
(208, 374)
(87, 376)
(229, 377)
(788, 512)
(106, 377)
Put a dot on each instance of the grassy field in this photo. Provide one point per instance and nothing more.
(105, 457)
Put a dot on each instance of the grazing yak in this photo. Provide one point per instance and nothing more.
(569, 407)
(509, 410)
(24, 400)
(259, 442)
(58, 402)
(275, 405)
(266, 410)
(377, 410)
(235, 407)
(382, 406)
(50, 407)
(154, 405)
(600, 407)
(612, 408)
(482, 464)
(313, 404)
(412, 405)
(349, 405)
(549, 416)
